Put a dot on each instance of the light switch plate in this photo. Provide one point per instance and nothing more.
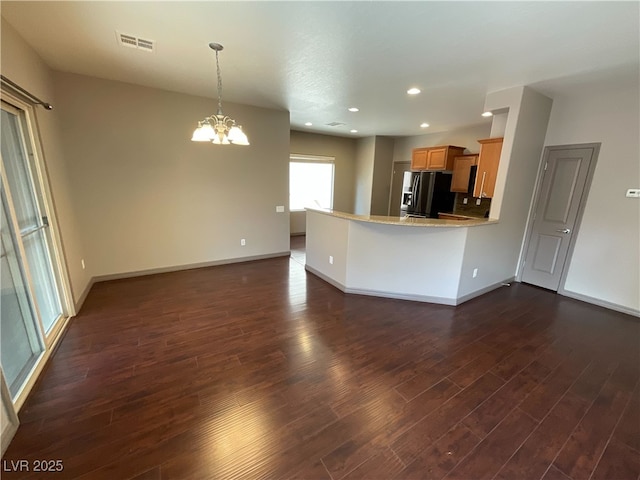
(633, 193)
(280, 209)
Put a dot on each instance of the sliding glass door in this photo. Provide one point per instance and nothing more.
(21, 343)
(19, 167)
(32, 307)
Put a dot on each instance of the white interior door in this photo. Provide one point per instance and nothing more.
(558, 202)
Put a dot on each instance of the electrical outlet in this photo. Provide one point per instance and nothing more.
(478, 201)
(475, 273)
(280, 209)
(82, 262)
(243, 242)
(331, 259)
(465, 200)
(633, 193)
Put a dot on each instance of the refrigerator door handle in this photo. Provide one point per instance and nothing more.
(414, 192)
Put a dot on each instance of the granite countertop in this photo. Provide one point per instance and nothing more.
(408, 221)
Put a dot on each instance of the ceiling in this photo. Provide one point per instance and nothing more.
(316, 59)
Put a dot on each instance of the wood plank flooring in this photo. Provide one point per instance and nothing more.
(261, 370)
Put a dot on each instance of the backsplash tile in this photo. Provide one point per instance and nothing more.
(471, 209)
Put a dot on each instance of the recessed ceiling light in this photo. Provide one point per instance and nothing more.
(413, 91)
(308, 124)
(487, 114)
(354, 109)
(354, 131)
(424, 125)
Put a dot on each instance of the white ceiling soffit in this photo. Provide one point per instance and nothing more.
(316, 59)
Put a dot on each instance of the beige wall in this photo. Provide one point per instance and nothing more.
(343, 150)
(22, 65)
(605, 263)
(365, 161)
(149, 198)
(381, 184)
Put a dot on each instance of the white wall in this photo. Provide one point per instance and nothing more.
(605, 263)
(365, 158)
(148, 198)
(397, 261)
(405, 261)
(328, 236)
(23, 66)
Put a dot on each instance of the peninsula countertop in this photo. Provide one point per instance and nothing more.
(408, 221)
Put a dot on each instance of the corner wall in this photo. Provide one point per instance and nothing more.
(149, 199)
(365, 161)
(495, 249)
(605, 265)
(381, 182)
(22, 65)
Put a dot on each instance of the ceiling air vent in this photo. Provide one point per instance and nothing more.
(335, 124)
(135, 42)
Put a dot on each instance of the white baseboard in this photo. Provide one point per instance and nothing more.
(83, 296)
(401, 296)
(191, 266)
(482, 291)
(327, 279)
(601, 303)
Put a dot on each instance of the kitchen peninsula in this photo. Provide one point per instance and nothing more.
(419, 259)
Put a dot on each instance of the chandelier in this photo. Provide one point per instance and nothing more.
(219, 128)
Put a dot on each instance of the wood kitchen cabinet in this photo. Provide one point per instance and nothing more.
(435, 158)
(462, 172)
(488, 163)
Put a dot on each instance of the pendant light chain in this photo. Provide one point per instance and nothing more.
(219, 128)
(219, 84)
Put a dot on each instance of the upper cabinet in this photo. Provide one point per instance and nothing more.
(435, 158)
(462, 173)
(488, 162)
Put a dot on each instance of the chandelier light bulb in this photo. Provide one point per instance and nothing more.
(219, 128)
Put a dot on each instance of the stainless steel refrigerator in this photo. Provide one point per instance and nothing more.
(424, 194)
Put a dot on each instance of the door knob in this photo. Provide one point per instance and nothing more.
(564, 230)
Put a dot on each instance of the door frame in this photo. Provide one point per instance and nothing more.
(13, 422)
(41, 179)
(534, 204)
(57, 252)
(393, 173)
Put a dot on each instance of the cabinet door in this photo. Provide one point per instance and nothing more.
(437, 159)
(419, 159)
(461, 172)
(488, 163)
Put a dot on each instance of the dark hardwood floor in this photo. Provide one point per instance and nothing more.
(261, 370)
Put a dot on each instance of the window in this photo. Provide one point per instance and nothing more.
(310, 182)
